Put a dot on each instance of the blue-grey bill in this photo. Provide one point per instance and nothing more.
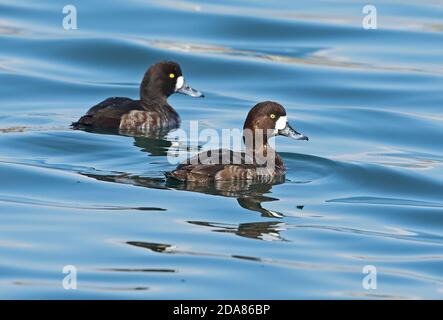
(290, 132)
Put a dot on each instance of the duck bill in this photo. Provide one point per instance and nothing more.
(188, 90)
(290, 132)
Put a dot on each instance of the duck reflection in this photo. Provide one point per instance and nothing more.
(172, 249)
(154, 143)
(269, 230)
(250, 195)
(126, 178)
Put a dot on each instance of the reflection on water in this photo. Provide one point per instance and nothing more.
(154, 146)
(166, 248)
(269, 231)
(250, 195)
(153, 142)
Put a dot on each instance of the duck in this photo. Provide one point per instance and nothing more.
(259, 161)
(151, 112)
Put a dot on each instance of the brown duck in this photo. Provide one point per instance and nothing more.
(149, 114)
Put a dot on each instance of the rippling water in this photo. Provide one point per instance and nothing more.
(367, 189)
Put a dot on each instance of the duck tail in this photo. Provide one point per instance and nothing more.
(83, 122)
(76, 125)
(175, 175)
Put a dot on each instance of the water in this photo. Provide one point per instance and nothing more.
(367, 189)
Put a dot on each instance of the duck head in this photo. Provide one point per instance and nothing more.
(164, 79)
(270, 119)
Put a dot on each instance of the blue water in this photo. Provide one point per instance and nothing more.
(367, 189)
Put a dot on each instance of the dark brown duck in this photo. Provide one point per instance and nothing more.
(151, 113)
(258, 162)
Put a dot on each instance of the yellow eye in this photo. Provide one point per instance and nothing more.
(171, 75)
(272, 116)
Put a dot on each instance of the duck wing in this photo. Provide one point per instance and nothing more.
(215, 165)
(108, 113)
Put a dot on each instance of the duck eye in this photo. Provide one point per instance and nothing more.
(272, 116)
(171, 75)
